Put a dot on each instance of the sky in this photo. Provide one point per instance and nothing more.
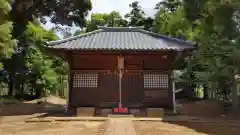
(122, 6)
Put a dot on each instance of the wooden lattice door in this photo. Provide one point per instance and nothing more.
(132, 86)
(109, 87)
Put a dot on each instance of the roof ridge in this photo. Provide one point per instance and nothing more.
(130, 27)
(105, 28)
(168, 37)
(73, 37)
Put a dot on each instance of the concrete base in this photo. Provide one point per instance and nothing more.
(105, 112)
(155, 112)
(85, 111)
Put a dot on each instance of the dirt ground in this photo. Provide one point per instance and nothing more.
(52, 128)
(52, 104)
(204, 108)
(186, 128)
(12, 118)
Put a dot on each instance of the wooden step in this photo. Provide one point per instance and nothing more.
(121, 116)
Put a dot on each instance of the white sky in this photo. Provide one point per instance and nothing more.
(122, 6)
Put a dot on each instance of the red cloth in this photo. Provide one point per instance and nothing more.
(115, 110)
(122, 110)
(125, 110)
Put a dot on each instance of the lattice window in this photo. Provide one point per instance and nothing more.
(155, 80)
(85, 80)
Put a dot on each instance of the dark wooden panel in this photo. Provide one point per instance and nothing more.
(156, 93)
(108, 87)
(94, 62)
(132, 87)
(156, 62)
(133, 62)
(107, 90)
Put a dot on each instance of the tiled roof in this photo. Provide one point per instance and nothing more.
(121, 38)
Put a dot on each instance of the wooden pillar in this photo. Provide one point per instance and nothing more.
(170, 92)
(172, 89)
(70, 80)
(189, 70)
(173, 93)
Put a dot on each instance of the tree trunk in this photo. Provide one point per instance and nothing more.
(21, 92)
(38, 93)
(189, 70)
(205, 91)
(234, 92)
(21, 88)
(10, 85)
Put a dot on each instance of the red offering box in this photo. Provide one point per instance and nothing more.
(120, 110)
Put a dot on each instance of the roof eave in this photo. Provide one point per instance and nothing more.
(73, 37)
(119, 50)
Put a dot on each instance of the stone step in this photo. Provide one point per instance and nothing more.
(121, 116)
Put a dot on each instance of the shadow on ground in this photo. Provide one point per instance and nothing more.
(186, 128)
(210, 128)
(47, 106)
(209, 117)
(31, 108)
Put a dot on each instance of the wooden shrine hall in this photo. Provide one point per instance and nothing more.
(120, 65)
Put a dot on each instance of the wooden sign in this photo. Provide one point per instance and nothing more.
(120, 62)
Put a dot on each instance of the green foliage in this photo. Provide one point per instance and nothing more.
(199, 92)
(173, 23)
(78, 32)
(214, 25)
(137, 17)
(30, 69)
(6, 42)
(43, 73)
(112, 19)
(170, 5)
(65, 12)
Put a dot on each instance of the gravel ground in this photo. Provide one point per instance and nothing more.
(52, 128)
(186, 128)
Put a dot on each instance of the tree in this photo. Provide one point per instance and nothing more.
(214, 25)
(78, 32)
(63, 12)
(217, 52)
(137, 17)
(112, 19)
(170, 5)
(42, 71)
(34, 69)
(172, 23)
(6, 42)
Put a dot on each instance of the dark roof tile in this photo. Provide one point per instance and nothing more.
(121, 38)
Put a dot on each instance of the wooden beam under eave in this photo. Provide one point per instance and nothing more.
(60, 53)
